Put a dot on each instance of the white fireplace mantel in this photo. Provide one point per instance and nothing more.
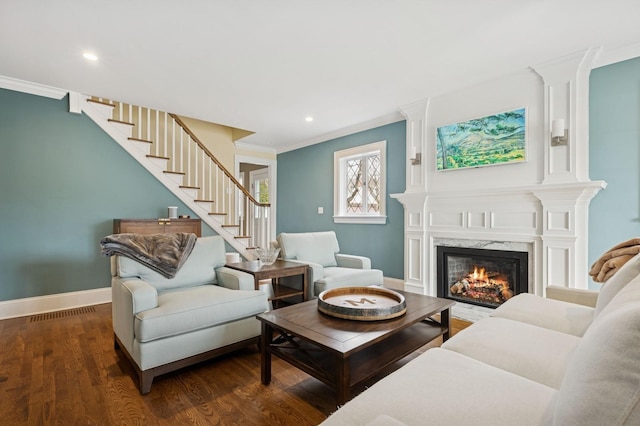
(552, 218)
(546, 216)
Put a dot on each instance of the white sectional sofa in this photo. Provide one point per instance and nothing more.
(535, 361)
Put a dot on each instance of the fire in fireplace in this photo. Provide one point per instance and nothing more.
(480, 276)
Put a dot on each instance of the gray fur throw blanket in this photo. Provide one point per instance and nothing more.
(164, 253)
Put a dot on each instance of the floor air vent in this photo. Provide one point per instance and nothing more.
(62, 314)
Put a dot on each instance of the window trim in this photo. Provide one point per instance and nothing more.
(339, 185)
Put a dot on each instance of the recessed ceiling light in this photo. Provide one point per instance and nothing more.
(308, 119)
(90, 56)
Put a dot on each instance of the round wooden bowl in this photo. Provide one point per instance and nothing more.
(362, 303)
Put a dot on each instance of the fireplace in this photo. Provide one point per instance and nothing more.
(480, 276)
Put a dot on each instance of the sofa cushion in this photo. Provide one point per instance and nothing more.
(442, 387)
(613, 285)
(602, 384)
(316, 247)
(185, 310)
(547, 313)
(208, 253)
(347, 277)
(520, 348)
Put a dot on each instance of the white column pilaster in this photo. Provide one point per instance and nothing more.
(565, 211)
(565, 224)
(566, 96)
(416, 117)
(414, 199)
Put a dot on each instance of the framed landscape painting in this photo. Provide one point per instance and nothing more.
(494, 139)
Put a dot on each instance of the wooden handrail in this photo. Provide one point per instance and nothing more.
(215, 160)
(200, 175)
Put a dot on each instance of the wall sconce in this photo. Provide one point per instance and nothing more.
(414, 156)
(559, 133)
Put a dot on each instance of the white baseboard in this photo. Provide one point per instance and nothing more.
(393, 283)
(53, 302)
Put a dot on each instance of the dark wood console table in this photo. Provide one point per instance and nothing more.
(157, 226)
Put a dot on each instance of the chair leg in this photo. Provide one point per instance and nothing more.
(146, 379)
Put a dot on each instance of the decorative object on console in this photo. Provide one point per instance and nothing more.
(494, 139)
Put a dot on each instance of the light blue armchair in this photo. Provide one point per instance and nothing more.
(327, 267)
(165, 324)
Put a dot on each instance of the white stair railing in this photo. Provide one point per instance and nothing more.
(201, 174)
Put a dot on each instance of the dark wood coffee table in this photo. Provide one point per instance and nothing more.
(344, 353)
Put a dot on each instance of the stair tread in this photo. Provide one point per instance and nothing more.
(231, 226)
(140, 140)
(217, 214)
(111, 120)
(158, 156)
(174, 172)
(242, 236)
(203, 201)
(189, 187)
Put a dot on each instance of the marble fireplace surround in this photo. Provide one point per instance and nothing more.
(474, 312)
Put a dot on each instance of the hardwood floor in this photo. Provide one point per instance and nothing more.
(61, 368)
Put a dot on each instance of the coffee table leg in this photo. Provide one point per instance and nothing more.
(445, 320)
(265, 353)
(343, 378)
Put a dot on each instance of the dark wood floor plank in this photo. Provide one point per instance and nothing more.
(64, 370)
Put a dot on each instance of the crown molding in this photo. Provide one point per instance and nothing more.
(617, 55)
(31, 88)
(360, 127)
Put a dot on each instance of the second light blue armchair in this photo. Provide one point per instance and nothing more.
(327, 267)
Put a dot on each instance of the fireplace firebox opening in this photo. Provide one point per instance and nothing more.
(480, 276)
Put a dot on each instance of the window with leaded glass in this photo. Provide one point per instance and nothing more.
(359, 184)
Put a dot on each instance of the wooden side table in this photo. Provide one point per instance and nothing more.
(279, 269)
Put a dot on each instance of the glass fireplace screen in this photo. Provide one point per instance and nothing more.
(479, 276)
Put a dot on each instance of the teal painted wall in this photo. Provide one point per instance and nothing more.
(305, 182)
(62, 181)
(614, 152)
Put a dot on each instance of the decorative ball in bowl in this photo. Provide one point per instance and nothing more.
(267, 255)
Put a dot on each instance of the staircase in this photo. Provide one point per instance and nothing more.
(168, 149)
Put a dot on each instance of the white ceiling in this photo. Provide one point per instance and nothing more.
(264, 65)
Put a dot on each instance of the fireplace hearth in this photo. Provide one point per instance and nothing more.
(480, 276)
